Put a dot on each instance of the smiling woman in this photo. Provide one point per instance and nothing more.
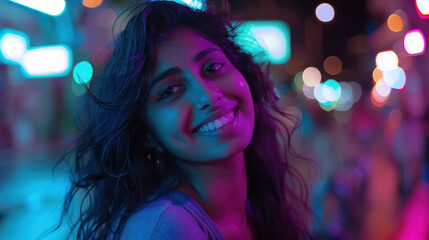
(184, 139)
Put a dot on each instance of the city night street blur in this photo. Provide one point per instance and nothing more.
(354, 72)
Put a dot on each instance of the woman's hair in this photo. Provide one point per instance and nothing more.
(115, 170)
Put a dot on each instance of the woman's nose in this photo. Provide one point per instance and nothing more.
(208, 97)
(204, 92)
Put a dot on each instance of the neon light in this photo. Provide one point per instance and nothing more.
(325, 12)
(50, 7)
(47, 61)
(414, 42)
(13, 45)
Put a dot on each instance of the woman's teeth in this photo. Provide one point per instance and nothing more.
(218, 123)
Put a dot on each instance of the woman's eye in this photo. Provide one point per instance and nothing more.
(214, 67)
(171, 90)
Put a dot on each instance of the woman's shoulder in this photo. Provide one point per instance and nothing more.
(163, 218)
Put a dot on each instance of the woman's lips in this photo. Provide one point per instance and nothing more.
(217, 124)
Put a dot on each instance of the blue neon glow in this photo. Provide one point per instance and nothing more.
(273, 37)
(50, 7)
(47, 61)
(13, 45)
(82, 72)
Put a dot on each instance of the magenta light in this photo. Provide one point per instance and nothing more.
(422, 8)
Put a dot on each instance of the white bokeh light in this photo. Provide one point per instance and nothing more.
(50, 7)
(395, 79)
(414, 42)
(311, 76)
(47, 61)
(423, 6)
(387, 60)
(325, 12)
(13, 46)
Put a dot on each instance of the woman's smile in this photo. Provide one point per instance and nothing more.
(220, 125)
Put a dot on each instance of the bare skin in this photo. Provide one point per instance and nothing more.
(220, 188)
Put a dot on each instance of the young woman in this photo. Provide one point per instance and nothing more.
(185, 140)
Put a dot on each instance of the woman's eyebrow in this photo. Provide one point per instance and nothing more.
(165, 74)
(203, 53)
(177, 70)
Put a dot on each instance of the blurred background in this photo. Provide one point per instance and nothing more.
(355, 72)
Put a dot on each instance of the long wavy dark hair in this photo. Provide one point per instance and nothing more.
(114, 171)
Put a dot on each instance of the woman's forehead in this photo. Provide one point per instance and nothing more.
(183, 42)
(182, 45)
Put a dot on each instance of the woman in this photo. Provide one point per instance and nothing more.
(185, 139)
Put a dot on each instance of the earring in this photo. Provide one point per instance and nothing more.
(149, 157)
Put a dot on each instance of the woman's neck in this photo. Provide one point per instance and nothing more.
(220, 188)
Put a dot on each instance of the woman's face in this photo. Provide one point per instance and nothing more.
(200, 107)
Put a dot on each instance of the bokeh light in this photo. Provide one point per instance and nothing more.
(47, 61)
(422, 7)
(395, 79)
(77, 89)
(13, 45)
(92, 3)
(271, 37)
(325, 12)
(308, 91)
(50, 7)
(333, 65)
(387, 60)
(357, 91)
(382, 89)
(311, 76)
(377, 74)
(82, 72)
(331, 90)
(395, 23)
(394, 119)
(376, 99)
(297, 82)
(345, 101)
(327, 94)
(414, 42)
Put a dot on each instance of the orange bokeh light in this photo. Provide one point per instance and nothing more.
(333, 65)
(395, 23)
(377, 75)
(92, 3)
